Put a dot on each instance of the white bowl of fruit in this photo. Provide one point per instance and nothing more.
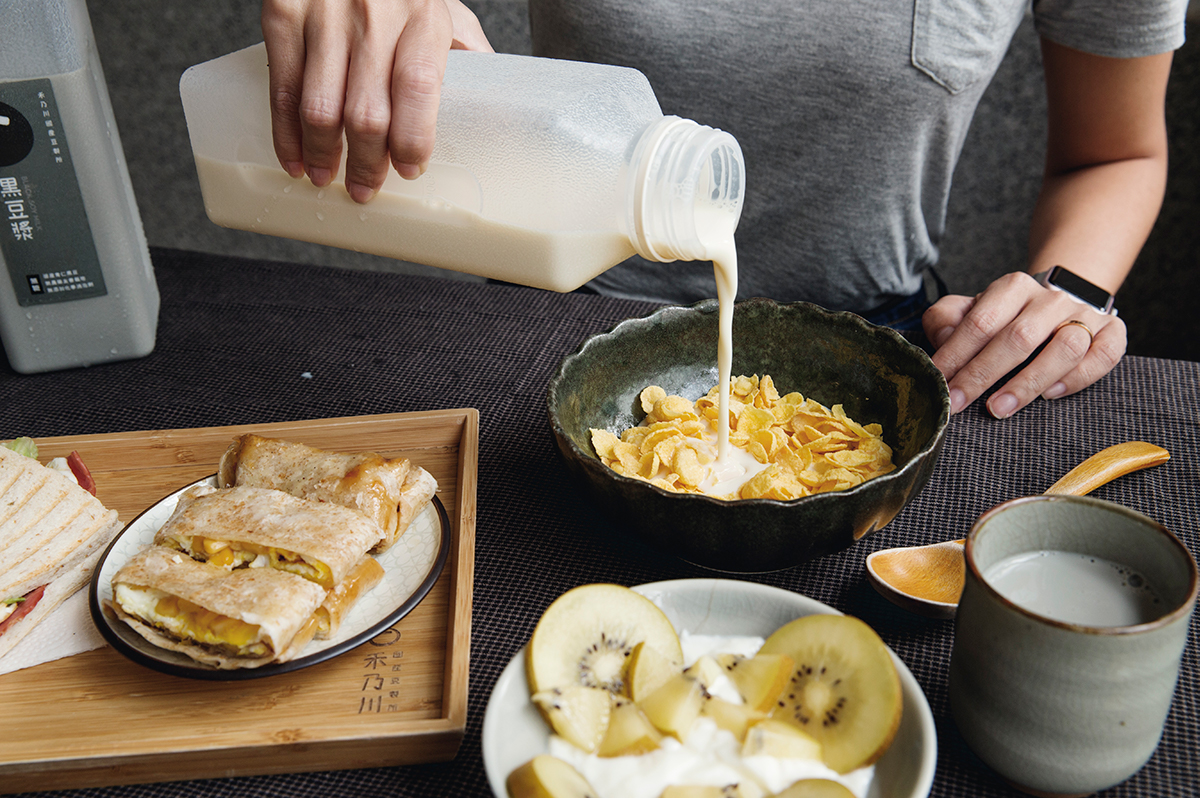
(705, 688)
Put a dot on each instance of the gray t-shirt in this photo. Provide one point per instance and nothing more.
(851, 115)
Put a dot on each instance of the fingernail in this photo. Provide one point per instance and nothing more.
(943, 335)
(1003, 405)
(359, 193)
(958, 400)
(409, 171)
(320, 177)
(1054, 391)
(294, 168)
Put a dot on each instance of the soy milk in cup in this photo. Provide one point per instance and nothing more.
(1068, 640)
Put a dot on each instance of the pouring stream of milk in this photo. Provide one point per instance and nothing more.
(719, 245)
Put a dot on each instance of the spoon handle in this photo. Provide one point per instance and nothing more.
(1108, 464)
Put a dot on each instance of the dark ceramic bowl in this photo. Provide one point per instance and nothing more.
(832, 357)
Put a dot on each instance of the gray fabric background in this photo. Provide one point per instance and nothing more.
(146, 44)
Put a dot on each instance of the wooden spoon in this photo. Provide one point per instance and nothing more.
(929, 579)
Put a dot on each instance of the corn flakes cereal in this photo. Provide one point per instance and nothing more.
(801, 446)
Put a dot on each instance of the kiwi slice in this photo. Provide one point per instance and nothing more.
(587, 635)
(545, 776)
(576, 713)
(844, 692)
(816, 788)
(648, 670)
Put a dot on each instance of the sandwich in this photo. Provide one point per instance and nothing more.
(389, 491)
(241, 618)
(52, 533)
(257, 527)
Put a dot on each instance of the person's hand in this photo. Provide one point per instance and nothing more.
(979, 340)
(371, 67)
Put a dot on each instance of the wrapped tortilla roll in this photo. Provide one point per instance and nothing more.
(238, 527)
(230, 619)
(337, 604)
(418, 490)
(367, 482)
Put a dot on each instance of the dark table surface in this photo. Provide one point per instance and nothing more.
(235, 336)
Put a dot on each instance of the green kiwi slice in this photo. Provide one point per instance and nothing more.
(845, 690)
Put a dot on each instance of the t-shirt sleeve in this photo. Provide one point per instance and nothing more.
(1113, 28)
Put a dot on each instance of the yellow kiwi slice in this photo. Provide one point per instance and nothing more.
(778, 738)
(545, 776)
(674, 707)
(576, 713)
(733, 718)
(760, 679)
(587, 635)
(844, 692)
(630, 732)
(816, 788)
(649, 669)
(744, 790)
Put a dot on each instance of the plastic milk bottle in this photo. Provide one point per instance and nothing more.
(544, 173)
(76, 284)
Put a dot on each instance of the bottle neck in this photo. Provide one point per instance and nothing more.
(686, 187)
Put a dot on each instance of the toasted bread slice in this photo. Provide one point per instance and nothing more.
(52, 533)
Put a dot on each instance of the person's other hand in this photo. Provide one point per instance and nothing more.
(979, 340)
(371, 67)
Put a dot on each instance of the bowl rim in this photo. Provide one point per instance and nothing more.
(710, 306)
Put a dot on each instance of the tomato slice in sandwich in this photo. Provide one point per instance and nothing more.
(82, 475)
(23, 608)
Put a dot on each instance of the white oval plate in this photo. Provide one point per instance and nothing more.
(514, 732)
(411, 566)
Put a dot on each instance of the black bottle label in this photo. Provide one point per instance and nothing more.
(45, 238)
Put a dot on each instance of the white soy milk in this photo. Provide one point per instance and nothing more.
(716, 229)
(1075, 588)
(540, 172)
(435, 232)
(77, 285)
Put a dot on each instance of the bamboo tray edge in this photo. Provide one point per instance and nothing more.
(294, 731)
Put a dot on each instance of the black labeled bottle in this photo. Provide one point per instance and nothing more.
(76, 284)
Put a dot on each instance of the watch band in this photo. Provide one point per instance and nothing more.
(1078, 288)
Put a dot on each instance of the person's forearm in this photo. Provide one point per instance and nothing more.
(1095, 220)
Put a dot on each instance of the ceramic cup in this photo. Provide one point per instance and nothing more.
(1061, 707)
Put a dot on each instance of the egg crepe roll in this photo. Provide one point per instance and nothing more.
(230, 619)
(337, 604)
(258, 527)
(372, 484)
(418, 490)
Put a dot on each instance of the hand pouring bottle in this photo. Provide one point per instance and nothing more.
(76, 284)
(544, 172)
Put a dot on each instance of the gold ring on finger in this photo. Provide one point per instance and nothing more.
(1077, 323)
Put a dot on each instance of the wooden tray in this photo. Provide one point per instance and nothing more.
(97, 719)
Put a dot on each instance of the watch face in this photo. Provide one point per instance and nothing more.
(1074, 284)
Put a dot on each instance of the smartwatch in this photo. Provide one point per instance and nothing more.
(1090, 294)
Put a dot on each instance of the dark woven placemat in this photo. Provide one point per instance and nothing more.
(246, 341)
